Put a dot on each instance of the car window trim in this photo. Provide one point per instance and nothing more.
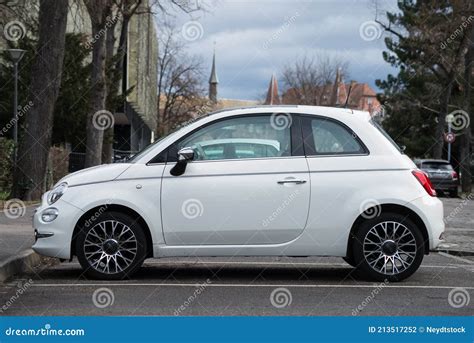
(308, 140)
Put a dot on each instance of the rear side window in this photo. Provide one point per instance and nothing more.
(329, 137)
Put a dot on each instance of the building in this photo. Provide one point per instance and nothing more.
(135, 119)
(272, 97)
(355, 95)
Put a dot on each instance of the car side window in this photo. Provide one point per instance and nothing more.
(239, 138)
(332, 138)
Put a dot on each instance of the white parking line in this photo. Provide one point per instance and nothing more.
(237, 285)
(457, 258)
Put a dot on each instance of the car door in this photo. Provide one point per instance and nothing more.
(248, 184)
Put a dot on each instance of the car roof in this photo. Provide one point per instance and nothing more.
(331, 112)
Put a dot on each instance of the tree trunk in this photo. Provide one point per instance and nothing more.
(108, 142)
(466, 148)
(46, 72)
(98, 11)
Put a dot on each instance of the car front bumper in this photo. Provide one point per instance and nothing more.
(53, 239)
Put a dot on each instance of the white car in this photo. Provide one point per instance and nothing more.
(331, 183)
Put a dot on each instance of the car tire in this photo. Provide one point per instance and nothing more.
(389, 247)
(111, 247)
(453, 193)
(350, 260)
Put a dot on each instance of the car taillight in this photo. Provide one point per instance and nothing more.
(423, 178)
(455, 176)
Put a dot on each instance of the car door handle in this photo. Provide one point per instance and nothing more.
(297, 182)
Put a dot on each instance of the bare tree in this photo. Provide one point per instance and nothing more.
(99, 11)
(124, 10)
(121, 13)
(45, 82)
(180, 82)
(305, 81)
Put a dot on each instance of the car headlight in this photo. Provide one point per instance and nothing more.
(49, 214)
(57, 193)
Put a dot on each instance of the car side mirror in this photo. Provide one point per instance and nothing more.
(185, 155)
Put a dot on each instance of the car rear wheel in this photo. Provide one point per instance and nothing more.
(389, 247)
(113, 247)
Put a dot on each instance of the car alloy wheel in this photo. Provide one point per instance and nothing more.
(389, 247)
(112, 248)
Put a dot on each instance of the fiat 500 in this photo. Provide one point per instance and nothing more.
(261, 181)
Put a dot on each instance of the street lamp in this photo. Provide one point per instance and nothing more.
(16, 55)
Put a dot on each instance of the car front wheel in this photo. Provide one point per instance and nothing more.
(388, 247)
(113, 247)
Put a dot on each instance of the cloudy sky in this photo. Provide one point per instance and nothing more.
(257, 38)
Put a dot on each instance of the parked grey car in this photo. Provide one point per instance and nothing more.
(442, 175)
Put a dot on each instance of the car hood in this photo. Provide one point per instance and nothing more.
(103, 173)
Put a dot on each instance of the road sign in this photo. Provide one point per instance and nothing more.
(449, 137)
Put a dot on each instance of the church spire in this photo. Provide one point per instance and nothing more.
(272, 94)
(213, 80)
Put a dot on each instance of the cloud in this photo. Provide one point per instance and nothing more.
(256, 38)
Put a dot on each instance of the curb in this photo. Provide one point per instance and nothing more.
(19, 263)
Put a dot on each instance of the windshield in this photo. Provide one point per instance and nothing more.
(436, 165)
(386, 135)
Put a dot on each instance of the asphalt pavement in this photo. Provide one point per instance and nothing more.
(245, 286)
